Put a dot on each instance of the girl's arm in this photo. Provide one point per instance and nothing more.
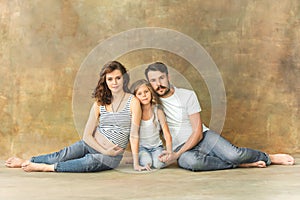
(165, 129)
(136, 112)
(90, 126)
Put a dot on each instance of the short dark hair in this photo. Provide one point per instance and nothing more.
(157, 66)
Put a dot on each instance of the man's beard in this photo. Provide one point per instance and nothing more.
(163, 87)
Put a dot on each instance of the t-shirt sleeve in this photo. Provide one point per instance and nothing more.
(193, 105)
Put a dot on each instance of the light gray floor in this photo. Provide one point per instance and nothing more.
(274, 182)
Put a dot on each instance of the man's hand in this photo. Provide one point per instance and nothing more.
(168, 157)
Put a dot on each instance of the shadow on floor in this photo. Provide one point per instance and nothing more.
(274, 182)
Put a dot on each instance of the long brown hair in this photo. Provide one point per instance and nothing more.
(102, 93)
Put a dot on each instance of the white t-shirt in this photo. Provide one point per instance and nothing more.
(150, 131)
(178, 108)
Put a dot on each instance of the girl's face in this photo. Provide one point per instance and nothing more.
(143, 94)
(114, 81)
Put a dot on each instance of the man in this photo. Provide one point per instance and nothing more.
(195, 147)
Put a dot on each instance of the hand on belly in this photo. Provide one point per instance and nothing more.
(104, 142)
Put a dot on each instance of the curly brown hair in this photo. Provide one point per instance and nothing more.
(102, 93)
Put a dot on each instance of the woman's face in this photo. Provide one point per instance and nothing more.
(114, 81)
(143, 94)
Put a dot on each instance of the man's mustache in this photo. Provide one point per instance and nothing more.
(161, 87)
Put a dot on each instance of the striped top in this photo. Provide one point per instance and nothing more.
(115, 126)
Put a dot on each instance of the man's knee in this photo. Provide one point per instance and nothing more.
(188, 161)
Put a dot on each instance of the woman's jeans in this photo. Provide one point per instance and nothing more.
(214, 152)
(79, 157)
(150, 156)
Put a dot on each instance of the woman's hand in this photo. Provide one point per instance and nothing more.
(114, 151)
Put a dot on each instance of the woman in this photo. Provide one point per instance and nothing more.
(152, 123)
(114, 120)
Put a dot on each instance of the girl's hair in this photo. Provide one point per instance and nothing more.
(102, 93)
(136, 85)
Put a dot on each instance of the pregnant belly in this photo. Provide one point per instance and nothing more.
(104, 142)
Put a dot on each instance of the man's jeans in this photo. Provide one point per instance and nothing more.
(79, 157)
(214, 152)
(150, 156)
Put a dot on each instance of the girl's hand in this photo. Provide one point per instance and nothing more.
(141, 168)
(168, 157)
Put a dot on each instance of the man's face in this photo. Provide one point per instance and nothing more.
(159, 82)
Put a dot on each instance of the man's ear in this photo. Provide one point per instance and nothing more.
(169, 77)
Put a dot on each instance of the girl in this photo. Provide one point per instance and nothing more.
(153, 121)
(114, 119)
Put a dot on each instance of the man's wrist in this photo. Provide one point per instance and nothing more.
(177, 154)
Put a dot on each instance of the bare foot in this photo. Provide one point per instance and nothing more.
(259, 164)
(282, 159)
(14, 162)
(37, 167)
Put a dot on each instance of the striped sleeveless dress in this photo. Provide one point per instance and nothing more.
(115, 126)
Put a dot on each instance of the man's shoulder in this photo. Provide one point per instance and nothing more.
(183, 91)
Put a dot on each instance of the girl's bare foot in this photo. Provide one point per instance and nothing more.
(259, 164)
(14, 162)
(282, 159)
(37, 167)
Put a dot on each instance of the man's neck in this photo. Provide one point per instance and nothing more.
(170, 93)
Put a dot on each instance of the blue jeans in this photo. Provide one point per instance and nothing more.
(79, 157)
(150, 156)
(214, 152)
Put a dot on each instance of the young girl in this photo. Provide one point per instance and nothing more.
(153, 121)
(114, 119)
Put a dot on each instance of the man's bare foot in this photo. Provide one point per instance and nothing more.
(14, 162)
(282, 159)
(259, 164)
(37, 167)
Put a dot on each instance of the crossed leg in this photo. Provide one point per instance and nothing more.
(282, 159)
(276, 159)
(28, 166)
(14, 162)
(259, 164)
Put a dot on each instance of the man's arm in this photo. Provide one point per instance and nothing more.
(195, 137)
(193, 140)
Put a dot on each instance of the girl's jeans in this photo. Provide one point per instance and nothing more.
(79, 157)
(150, 156)
(214, 152)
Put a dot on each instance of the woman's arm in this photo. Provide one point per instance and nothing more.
(136, 113)
(165, 129)
(88, 137)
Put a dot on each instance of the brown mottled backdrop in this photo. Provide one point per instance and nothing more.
(255, 45)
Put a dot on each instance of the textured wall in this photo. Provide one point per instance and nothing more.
(255, 45)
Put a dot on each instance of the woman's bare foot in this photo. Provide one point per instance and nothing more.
(259, 164)
(282, 159)
(14, 162)
(37, 167)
